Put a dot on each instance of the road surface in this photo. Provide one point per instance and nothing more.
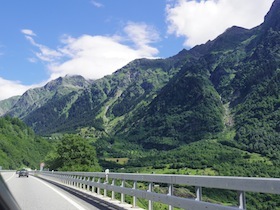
(33, 193)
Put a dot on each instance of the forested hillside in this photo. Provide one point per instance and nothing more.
(20, 146)
(232, 84)
(225, 91)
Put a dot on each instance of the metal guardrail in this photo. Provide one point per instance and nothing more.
(117, 183)
(3, 171)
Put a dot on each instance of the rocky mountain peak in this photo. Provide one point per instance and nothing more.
(272, 19)
(75, 81)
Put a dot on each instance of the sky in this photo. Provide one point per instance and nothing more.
(41, 40)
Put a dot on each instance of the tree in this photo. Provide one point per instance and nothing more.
(75, 154)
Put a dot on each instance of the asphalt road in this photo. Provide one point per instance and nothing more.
(33, 193)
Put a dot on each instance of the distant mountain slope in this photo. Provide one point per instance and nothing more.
(7, 104)
(37, 97)
(163, 103)
(186, 110)
(46, 105)
(240, 67)
(71, 102)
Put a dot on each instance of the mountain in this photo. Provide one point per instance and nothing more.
(228, 84)
(35, 98)
(71, 102)
(47, 104)
(7, 104)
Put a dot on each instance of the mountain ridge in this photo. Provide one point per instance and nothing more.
(162, 103)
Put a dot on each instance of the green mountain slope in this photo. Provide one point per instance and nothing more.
(19, 146)
(7, 104)
(47, 107)
(65, 104)
(239, 68)
(228, 85)
(186, 110)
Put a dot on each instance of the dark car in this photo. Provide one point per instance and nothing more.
(23, 172)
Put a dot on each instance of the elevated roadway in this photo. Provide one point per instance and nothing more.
(104, 190)
(33, 193)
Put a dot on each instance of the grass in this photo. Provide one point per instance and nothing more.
(182, 171)
(120, 161)
(254, 157)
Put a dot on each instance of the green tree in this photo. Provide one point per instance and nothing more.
(74, 153)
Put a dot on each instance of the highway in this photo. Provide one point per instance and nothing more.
(33, 193)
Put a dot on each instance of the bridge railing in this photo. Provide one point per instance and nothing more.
(144, 186)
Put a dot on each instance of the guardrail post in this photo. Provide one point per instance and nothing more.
(75, 181)
(80, 182)
(105, 190)
(98, 188)
(122, 194)
(72, 182)
(113, 192)
(134, 197)
(84, 184)
(150, 189)
(198, 192)
(88, 179)
(170, 193)
(106, 181)
(242, 200)
(60, 178)
(67, 179)
(93, 187)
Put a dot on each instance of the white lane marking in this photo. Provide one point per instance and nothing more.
(6, 180)
(61, 194)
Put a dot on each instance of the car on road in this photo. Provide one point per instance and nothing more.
(23, 172)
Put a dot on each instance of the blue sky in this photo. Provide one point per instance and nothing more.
(42, 40)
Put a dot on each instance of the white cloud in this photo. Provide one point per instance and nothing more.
(45, 53)
(90, 56)
(96, 56)
(142, 35)
(32, 60)
(28, 32)
(11, 88)
(96, 3)
(200, 21)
